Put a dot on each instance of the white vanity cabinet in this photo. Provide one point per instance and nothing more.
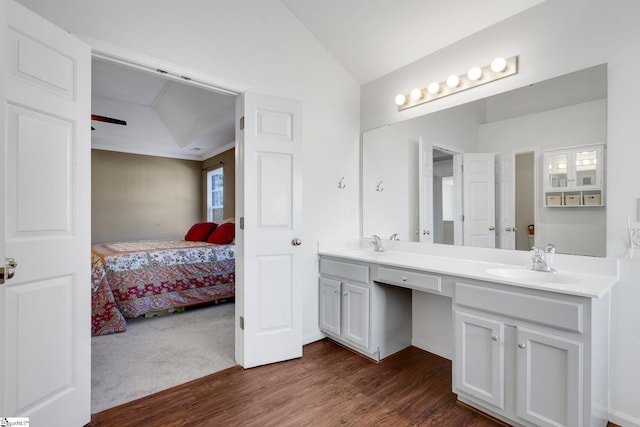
(369, 317)
(531, 357)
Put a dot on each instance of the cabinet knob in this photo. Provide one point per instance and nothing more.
(491, 228)
(494, 338)
(404, 279)
(344, 294)
(426, 232)
(522, 345)
(507, 229)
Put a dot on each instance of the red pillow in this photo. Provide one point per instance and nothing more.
(200, 231)
(223, 234)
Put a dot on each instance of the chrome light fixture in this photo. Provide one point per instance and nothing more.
(476, 76)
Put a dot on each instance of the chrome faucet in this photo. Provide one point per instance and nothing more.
(394, 236)
(539, 261)
(377, 244)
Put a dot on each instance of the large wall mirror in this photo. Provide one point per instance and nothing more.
(518, 169)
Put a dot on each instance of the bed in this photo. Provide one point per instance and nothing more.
(131, 279)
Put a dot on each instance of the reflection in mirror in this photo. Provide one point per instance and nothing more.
(479, 174)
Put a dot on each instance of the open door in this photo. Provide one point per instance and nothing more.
(45, 185)
(425, 191)
(269, 204)
(505, 201)
(479, 200)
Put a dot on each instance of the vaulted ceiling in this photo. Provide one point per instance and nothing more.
(370, 38)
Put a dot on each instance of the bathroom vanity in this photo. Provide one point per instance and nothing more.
(530, 348)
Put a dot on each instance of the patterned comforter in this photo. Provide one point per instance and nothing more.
(130, 279)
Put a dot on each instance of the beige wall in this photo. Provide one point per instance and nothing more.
(137, 197)
(227, 160)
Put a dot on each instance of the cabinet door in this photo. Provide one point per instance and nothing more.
(588, 169)
(479, 358)
(549, 379)
(557, 170)
(355, 314)
(330, 305)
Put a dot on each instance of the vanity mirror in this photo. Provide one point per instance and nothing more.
(476, 174)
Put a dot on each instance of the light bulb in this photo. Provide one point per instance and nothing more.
(401, 99)
(453, 81)
(474, 73)
(416, 94)
(499, 65)
(433, 88)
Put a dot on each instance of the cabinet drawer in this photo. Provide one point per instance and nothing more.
(543, 310)
(410, 279)
(344, 270)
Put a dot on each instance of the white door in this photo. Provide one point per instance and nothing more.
(46, 307)
(479, 358)
(505, 201)
(549, 379)
(425, 191)
(479, 200)
(269, 283)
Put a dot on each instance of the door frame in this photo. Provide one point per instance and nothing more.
(457, 188)
(537, 164)
(115, 54)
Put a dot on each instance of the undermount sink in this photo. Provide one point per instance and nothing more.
(532, 276)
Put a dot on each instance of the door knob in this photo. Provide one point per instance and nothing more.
(8, 271)
(296, 242)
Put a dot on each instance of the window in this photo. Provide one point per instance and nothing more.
(215, 195)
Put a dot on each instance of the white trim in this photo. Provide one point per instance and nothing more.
(123, 56)
(623, 419)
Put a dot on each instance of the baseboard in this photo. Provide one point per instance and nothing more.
(313, 338)
(446, 353)
(623, 419)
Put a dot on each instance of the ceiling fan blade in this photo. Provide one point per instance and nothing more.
(108, 120)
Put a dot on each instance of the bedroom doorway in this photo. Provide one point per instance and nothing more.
(180, 170)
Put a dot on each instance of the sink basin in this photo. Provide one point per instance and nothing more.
(532, 276)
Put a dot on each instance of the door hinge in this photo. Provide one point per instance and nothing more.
(242, 323)
(241, 223)
(242, 123)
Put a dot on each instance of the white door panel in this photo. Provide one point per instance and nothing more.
(479, 200)
(268, 279)
(425, 189)
(46, 306)
(505, 201)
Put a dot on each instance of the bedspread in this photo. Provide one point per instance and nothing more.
(130, 279)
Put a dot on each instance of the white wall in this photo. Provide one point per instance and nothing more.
(554, 38)
(580, 231)
(259, 45)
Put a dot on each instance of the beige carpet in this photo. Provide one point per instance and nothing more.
(160, 352)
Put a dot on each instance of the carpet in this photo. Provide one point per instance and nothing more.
(160, 352)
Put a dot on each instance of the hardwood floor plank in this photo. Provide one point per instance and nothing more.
(328, 386)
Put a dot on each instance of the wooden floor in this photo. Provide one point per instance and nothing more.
(328, 386)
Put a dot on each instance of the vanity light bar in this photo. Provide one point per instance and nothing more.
(476, 76)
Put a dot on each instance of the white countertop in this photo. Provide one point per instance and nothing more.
(582, 276)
